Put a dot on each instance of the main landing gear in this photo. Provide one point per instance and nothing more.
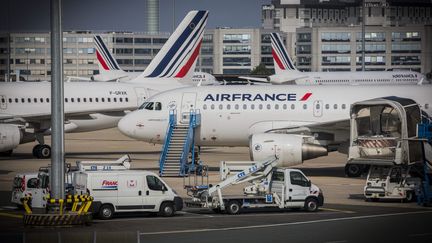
(42, 151)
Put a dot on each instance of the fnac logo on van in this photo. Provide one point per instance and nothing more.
(110, 185)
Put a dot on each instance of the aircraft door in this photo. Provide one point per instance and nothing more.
(141, 94)
(3, 103)
(318, 108)
(188, 104)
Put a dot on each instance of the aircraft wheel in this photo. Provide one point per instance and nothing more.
(36, 149)
(43, 152)
(353, 170)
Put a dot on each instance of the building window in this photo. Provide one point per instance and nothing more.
(236, 38)
(335, 36)
(304, 37)
(335, 48)
(241, 49)
(236, 61)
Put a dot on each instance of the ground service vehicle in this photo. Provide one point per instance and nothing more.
(271, 187)
(392, 182)
(33, 185)
(127, 191)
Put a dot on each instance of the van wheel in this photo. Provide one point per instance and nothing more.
(233, 207)
(166, 209)
(106, 211)
(311, 204)
(410, 197)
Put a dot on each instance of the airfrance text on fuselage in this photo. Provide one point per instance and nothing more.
(251, 97)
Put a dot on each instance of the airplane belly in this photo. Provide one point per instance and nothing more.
(96, 122)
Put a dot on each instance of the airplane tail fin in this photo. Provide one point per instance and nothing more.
(177, 58)
(105, 59)
(281, 59)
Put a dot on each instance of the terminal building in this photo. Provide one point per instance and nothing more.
(320, 35)
(326, 35)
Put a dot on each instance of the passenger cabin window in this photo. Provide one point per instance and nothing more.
(154, 183)
(297, 178)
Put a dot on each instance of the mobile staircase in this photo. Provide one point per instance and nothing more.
(179, 146)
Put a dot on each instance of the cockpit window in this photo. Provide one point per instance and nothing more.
(158, 106)
(151, 106)
(147, 106)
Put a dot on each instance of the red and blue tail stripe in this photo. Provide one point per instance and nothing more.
(280, 54)
(182, 47)
(104, 56)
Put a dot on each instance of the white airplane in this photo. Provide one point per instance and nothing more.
(289, 120)
(287, 73)
(109, 69)
(25, 107)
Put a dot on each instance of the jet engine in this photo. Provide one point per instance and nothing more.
(10, 137)
(289, 148)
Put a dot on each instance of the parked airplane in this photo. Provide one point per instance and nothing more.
(275, 119)
(25, 107)
(110, 70)
(286, 72)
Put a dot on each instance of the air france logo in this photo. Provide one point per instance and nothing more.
(257, 147)
(109, 185)
(256, 97)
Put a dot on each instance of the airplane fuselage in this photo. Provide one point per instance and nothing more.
(229, 116)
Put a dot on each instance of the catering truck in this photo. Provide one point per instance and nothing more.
(271, 187)
(127, 191)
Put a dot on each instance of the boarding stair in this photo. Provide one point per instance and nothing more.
(178, 152)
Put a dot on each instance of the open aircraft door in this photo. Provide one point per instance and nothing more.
(188, 104)
(318, 108)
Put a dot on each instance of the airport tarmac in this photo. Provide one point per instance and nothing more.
(345, 217)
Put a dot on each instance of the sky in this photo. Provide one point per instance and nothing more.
(125, 15)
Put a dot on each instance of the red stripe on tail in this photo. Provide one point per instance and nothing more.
(101, 61)
(185, 69)
(278, 61)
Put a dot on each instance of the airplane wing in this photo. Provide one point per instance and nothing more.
(39, 117)
(264, 80)
(339, 125)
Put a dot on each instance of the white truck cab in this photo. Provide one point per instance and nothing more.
(271, 187)
(127, 191)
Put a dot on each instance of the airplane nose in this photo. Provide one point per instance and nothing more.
(126, 125)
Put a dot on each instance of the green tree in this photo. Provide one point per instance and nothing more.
(261, 70)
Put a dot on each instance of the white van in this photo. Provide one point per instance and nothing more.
(127, 191)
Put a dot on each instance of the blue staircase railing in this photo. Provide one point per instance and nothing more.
(189, 146)
(165, 147)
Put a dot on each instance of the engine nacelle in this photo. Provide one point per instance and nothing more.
(290, 149)
(10, 137)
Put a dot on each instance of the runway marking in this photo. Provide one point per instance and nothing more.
(282, 224)
(11, 215)
(203, 215)
(337, 210)
(420, 234)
